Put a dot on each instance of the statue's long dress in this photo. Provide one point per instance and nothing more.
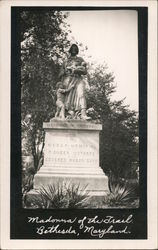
(75, 99)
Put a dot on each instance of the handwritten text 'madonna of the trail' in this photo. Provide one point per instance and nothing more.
(85, 219)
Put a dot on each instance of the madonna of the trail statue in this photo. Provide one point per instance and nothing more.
(71, 151)
(72, 77)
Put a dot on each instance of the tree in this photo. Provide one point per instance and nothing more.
(43, 39)
(119, 137)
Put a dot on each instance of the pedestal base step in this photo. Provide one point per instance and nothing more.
(96, 183)
(70, 170)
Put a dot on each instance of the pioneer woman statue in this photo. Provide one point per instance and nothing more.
(73, 73)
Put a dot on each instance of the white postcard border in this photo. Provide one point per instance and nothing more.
(5, 62)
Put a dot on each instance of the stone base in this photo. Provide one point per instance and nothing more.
(93, 179)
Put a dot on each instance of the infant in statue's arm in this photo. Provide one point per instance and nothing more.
(61, 91)
(77, 68)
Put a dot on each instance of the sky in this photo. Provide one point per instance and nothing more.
(111, 37)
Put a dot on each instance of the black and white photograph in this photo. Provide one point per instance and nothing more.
(79, 106)
(78, 120)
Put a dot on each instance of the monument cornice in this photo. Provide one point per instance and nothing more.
(72, 124)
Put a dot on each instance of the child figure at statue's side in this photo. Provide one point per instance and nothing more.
(60, 99)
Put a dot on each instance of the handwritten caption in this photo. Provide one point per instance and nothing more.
(93, 226)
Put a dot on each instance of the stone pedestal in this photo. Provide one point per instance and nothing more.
(71, 153)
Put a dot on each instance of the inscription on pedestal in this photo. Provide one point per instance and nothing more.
(74, 148)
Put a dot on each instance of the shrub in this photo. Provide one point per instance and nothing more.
(134, 185)
(122, 197)
(61, 195)
(27, 179)
(119, 196)
(76, 197)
